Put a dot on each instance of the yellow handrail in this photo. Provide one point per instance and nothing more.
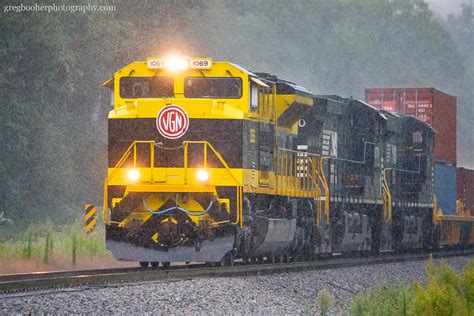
(435, 213)
(239, 189)
(133, 146)
(216, 153)
(389, 195)
(289, 183)
(119, 164)
(384, 196)
(460, 209)
(317, 187)
(326, 189)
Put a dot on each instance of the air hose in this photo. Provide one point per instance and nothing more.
(191, 213)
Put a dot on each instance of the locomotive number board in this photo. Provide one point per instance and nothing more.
(193, 63)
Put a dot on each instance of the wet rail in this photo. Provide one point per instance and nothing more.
(11, 283)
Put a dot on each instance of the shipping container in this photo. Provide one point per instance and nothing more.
(465, 188)
(428, 105)
(445, 188)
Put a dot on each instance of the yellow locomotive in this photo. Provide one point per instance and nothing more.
(177, 173)
(209, 162)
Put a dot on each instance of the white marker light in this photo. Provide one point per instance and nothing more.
(175, 64)
(133, 175)
(202, 175)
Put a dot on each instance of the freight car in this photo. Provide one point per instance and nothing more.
(210, 162)
(437, 109)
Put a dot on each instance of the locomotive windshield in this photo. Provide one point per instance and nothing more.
(206, 87)
(146, 87)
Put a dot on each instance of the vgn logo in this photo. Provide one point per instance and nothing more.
(172, 122)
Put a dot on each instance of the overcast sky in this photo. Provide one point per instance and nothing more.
(445, 7)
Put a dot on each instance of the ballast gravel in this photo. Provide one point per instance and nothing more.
(276, 294)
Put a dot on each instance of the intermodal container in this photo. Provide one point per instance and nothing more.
(445, 188)
(428, 105)
(465, 188)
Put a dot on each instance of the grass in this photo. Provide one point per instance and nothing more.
(446, 292)
(44, 242)
(325, 300)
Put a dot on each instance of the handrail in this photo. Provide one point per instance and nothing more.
(326, 189)
(389, 195)
(460, 208)
(289, 173)
(387, 188)
(133, 146)
(218, 155)
(238, 213)
(435, 206)
(385, 195)
(119, 164)
(316, 176)
(239, 189)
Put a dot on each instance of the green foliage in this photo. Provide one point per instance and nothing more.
(43, 243)
(48, 246)
(383, 301)
(446, 293)
(74, 248)
(324, 301)
(28, 242)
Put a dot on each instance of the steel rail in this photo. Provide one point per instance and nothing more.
(40, 280)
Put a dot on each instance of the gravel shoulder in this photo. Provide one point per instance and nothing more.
(276, 294)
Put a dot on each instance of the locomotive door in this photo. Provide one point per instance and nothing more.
(265, 153)
(266, 136)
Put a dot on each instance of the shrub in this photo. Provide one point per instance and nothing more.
(28, 243)
(324, 301)
(446, 292)
(383, 300)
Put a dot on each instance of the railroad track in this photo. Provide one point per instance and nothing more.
(14, 283)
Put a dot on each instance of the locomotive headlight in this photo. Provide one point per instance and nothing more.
(175, 64)
(133, 175)
(203, 175)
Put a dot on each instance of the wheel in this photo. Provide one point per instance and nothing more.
(273, 258)
(227, 260)
(155, 264)
(165, 265)
(144, 264)
(230, 259)
(299, 258)
(197, 244)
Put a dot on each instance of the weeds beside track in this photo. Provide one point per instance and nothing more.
(41, 280)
